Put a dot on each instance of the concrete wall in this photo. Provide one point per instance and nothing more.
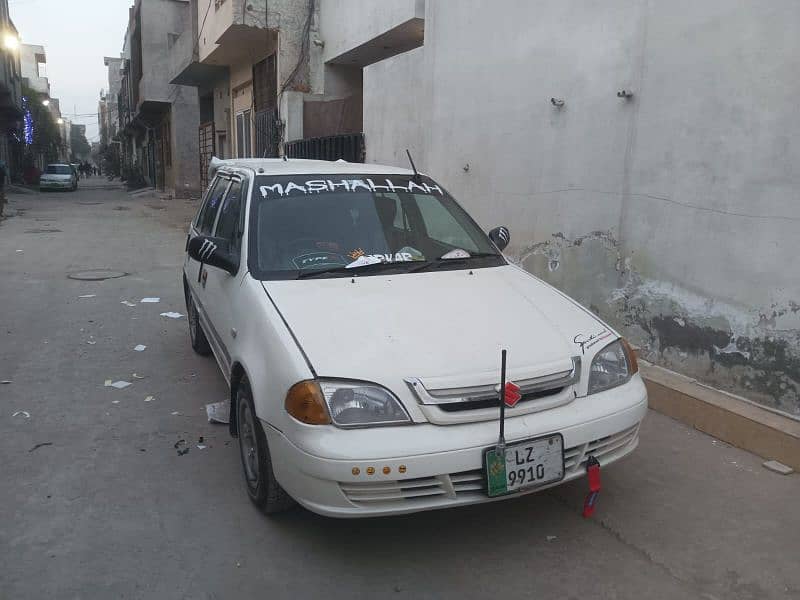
(674, 213)
(184, 121)
(162, 23)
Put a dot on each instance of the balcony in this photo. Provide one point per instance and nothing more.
(185, 67)
(232, 31)
(358, 34)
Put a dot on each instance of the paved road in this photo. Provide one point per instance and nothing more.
(109, 510)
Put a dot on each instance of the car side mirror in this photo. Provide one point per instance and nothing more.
(214, 252)
(500, 236)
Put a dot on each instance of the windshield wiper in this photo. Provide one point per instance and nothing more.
(445, 261)
(344, 270)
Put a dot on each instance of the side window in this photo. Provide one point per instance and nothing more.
(205, 222)
(229, 223)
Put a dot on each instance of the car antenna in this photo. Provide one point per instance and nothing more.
(417, 177)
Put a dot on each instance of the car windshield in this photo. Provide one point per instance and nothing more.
(324, 222)
(58, 170)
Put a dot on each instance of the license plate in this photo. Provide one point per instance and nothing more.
(526, 464)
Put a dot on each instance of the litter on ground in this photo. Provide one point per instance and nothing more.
(37, 446)
(127, 303)
(136, 376)
(181, 447)
(23, 413)
(149, 399)
(91, 342)
(108, 382)
(150, 300)
(172, 315)
(778, 467)
(88, 296)
(5, 381)
(121, 385)
(115, 402)
(175, 413)
(218, 412)
(140, 348)
(201, 446)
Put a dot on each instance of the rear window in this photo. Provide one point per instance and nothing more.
(58, 170)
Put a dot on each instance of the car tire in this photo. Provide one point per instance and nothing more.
(259, 478)
(199, 340)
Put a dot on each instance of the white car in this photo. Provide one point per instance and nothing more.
(58, 177)
(359, 315)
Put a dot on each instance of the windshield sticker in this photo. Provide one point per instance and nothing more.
(584, 341)
(405, 254)
(318, 259)
(316, 186)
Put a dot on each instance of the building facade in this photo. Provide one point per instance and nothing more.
(11, 112)
(157, 120)
(644, 153)
(253, 64)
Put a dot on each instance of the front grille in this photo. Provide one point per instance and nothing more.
(471, 484)
(495, 403)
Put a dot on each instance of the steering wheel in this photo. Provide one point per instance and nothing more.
(302, 246)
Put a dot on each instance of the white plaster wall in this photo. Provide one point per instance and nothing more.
(395, 114)
(682, 201)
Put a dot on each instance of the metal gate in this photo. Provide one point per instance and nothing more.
(349, 147)
(267, 133)
(206, 138)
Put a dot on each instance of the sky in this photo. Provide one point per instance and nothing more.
(76, 36)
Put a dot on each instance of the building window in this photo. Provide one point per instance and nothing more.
(243, 143)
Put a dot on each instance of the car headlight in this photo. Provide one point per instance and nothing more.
(612, 366)
(345, 404)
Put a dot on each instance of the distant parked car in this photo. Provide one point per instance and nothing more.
(58, 177)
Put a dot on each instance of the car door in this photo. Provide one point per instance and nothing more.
(221, 286)
(197, 273)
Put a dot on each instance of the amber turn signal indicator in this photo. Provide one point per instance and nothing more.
(306, 403)
(633, 363)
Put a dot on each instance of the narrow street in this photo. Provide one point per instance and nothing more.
(97, 503)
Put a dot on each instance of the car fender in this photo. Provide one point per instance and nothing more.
(266, 352)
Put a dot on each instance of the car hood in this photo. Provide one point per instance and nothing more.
(446, 328)
(55, 177)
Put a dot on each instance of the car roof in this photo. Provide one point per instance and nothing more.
(302, 166)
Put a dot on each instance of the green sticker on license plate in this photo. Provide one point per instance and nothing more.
(526, 464)
(495, 473)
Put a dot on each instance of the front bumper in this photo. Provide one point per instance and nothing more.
(452, 475)
(55, 185)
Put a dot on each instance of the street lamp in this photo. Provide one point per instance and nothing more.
(60, 121)
(45, 102)
(10, 42)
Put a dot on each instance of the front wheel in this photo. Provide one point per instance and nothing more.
(262, 487)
